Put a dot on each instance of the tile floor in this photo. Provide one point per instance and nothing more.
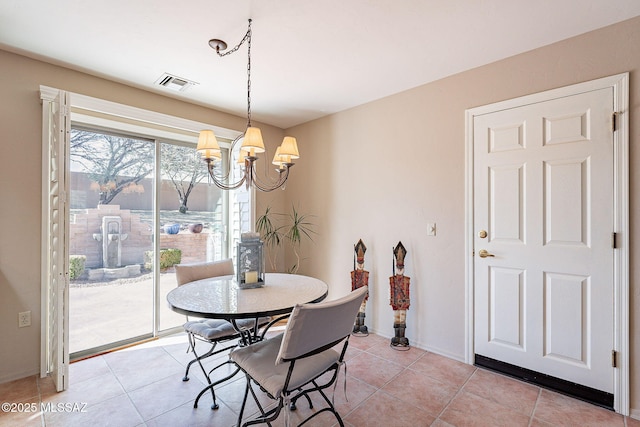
(142, 386)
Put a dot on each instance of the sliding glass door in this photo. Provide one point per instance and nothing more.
(111, 234)
(192, 220)
(139, 206)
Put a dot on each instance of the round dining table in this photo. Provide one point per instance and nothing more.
(224, 298)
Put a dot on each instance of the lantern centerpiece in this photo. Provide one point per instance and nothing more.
(250, 261)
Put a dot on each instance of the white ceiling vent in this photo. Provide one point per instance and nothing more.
(174, 82)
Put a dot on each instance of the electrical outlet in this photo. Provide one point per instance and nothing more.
(24, 319)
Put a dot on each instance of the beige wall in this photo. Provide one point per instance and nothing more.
(378, 172)
(20, 187)
(381, 171)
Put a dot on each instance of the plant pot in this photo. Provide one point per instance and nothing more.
(196, 228)
(171, 228)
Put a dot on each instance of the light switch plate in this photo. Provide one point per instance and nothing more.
(431, 229)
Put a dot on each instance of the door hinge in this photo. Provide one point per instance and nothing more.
(614, 121)
(614, 359)
(614, 240)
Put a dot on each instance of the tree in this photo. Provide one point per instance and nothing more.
(113, 163)
(185, 168)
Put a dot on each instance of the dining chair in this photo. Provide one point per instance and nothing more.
(289, 366)
(211, 331)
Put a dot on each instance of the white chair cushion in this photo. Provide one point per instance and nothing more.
(212, 329)
(259, 361)
(312, 326)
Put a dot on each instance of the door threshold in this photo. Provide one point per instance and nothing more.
(109, 348)
(578, 391)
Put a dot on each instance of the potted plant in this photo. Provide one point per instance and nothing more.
(172, 228)
(195, 227)
(276, 228)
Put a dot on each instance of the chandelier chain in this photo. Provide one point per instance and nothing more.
(246, 38)
(249, 172)
(249, 75)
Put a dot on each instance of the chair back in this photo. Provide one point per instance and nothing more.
(314, 327)
(186, 273)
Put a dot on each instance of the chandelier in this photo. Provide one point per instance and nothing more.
(250, 141)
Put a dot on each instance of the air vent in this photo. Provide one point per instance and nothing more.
(176, 83)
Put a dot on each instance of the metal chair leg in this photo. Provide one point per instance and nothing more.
(197, 358)
(211, 386)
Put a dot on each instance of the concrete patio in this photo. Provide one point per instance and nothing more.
(103, 313)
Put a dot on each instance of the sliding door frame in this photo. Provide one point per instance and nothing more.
(55, 270)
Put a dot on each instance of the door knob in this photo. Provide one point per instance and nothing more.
(484, 253)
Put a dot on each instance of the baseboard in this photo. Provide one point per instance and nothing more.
(18, 375)
(424, 347)
(634, 413)
(444, 353)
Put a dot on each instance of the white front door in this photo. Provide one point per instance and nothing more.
(543, 194)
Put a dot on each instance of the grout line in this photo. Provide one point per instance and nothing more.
(126, 392)
(535, 406)
(38, 380)
(409, 368)
(456, 394)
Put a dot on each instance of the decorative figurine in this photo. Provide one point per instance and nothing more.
(399, 299)
(359, 278)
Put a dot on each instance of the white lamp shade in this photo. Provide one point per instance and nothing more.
(289, 147)
(253, 140)
(207, 141)
(279, 160)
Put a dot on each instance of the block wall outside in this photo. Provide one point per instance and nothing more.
(194, 246)
(86, 224)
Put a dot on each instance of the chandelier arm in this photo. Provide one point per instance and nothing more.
(221, 185)
(268, 187)
(232, 147)
(220, 180)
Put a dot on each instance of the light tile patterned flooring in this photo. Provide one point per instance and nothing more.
(142, 386)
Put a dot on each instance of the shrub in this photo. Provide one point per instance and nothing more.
(168, 258)
(76, 266)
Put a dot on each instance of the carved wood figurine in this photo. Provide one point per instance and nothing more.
(359, 278)
(399, 284)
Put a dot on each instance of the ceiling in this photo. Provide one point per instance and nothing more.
(309, 58)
